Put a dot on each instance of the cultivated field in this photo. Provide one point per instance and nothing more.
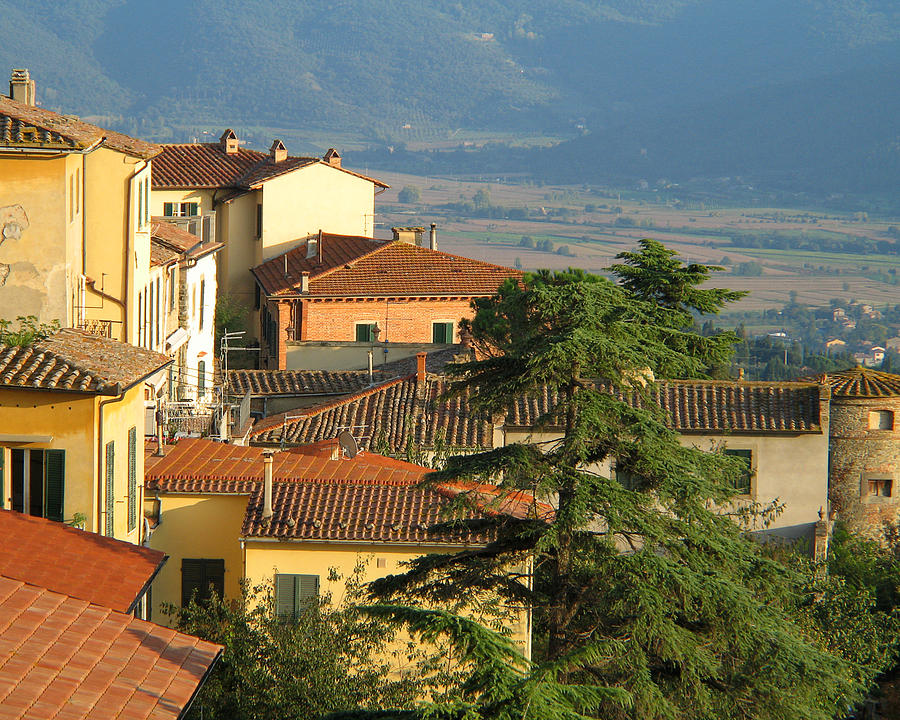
(595, 225)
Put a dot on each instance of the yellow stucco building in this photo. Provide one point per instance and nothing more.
(74, 218)
(258, 204)
(326, 512)
(71, 431)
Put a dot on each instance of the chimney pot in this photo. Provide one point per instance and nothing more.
(432, 237)
(267, 484)
(21, 86)
(304, 281)
(420, 367)
(229, 142)
(277, 152)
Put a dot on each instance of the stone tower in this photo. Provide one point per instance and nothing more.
(864, 449)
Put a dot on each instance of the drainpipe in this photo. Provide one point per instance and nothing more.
(267, 485)
(101, 455)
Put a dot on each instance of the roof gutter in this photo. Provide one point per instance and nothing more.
(187, 707)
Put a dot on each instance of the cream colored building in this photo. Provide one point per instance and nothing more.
(71, 431)
(74, 218)
(329, 512)
(259, 205)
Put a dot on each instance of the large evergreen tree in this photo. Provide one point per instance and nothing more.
(648, 600)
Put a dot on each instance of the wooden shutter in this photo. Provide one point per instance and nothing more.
(307, 591)
(110, 500)
(55, 484)
(742, 483)
(201, 377)
(132, 479)
(285, 595)
(215, 578)
(191, 579)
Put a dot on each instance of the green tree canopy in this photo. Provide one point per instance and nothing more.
(648, 603)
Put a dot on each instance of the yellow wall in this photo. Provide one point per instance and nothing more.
(242, 250)
(41, 264)
(73, 421)
(317, 197)
(159, 198)
(197, 526)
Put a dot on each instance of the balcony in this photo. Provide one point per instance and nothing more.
(101, 328)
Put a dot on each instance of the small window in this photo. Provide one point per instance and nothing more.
(881, 420)
(172, 282)
(259, 224)
(200, 578)
(201, 377)
(625, 478)
(202, 302)
(190, 209)
(742, 482)
(294, 594)
(442, 332)
(880, 487)
(365, 332)
(169, 209)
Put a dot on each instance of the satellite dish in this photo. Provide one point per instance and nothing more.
(348, 443)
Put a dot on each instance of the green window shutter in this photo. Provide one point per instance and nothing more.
(365, 332)
(55, 482)
(132, 479)
(742, 483)
(169, 209)
(285, 595)
(189, 209)
(109, 525)
(626, 479)
(442, 333)
(307, 591)
(201, 377)
(191, 579)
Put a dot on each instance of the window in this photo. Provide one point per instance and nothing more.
(146, 200)
(140, 204)
(880, 487)
(742, 482)
(365, 332)
(172, 290)
(442, 332)
(881, 420)
(295, 593)
(259, 220)
(38, 482)
(201, 377)
(71, 197)
(203, 577)
(202, 301)
(625, 478)
(185, 209)
(132, 479)
(110, 488)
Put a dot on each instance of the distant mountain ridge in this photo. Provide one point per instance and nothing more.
(660, 87)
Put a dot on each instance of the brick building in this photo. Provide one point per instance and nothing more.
(358, 294)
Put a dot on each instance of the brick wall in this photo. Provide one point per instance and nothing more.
(406, 321)
(858, 454)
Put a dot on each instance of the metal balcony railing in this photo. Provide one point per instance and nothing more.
(103, 328)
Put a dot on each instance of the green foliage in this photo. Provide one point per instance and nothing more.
(410, 194)
(748, 269)
(27, 332)
(231, 314)
(331, 658)
(647, 602)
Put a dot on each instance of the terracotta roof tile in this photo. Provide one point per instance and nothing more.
(398, 412)
(33, 127)
(207, 165)
(73, 562)
(169, 242)
(62, 657)
(861, 382)
(362, 267)
(76, 361)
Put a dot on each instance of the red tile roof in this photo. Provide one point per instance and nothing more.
(169, 243)
(207, 165)
(399, 412)
(64, 658)
(363, 267)
(73, 562)
(27, 126)
(76, 361)
(862, 382)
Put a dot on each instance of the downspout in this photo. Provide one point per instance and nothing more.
(101, 455)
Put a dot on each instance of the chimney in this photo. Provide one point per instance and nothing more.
(432, 237)
(304, 281)
(312, 246)
(740, 374)
(410, 235)
(267, 485)
(420, 367)
(333, 157)
(21, 86)
(229, 142)
(277, 152)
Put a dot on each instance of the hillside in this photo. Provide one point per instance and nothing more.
(658, 88)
